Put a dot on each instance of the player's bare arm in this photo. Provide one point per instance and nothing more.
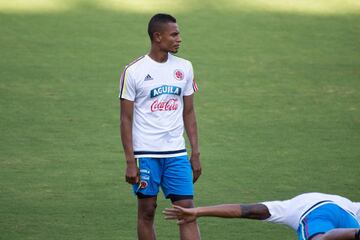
(191, 131)
(185, 215)
(254, 211)
(339, 234)
(126, 118)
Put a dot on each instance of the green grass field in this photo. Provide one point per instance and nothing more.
(278, 110)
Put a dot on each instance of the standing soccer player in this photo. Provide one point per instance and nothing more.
(156, 104)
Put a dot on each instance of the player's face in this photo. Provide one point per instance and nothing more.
(170, 38)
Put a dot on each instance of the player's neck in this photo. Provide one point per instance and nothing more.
(158, 56)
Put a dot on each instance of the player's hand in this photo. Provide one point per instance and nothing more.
(183, 215)
(195, 165)
(132, 173)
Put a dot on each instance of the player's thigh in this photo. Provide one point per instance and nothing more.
(150, 177)
(185, 203)
(177, 179)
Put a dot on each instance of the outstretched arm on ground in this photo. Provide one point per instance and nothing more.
(185, 215)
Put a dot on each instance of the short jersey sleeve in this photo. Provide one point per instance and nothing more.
(277, 210)
(191, 86)
(127, 86)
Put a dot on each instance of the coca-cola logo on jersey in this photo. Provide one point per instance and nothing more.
(168, 105)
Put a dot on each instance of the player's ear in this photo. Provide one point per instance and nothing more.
(157, 37)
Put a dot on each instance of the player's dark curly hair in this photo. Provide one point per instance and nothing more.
(156, 21)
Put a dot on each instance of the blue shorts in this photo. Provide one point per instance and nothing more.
(173, 175)
(323, 219)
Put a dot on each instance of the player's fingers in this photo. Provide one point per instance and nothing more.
(196, 177)
(168, 213)
(196, 174)
(177, 207)
(171, 217)
(179, 210)
(181, 221)
(127, 179)
(171, 210)
(172, 214)
(131, 180)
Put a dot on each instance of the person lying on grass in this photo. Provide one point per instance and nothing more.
(315, 216)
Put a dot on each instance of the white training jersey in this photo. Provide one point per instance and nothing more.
(157, 90)
(290, 212)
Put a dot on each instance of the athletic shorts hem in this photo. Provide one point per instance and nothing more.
(175, 197)
(314, 235)
(154, 155)
(142, 196)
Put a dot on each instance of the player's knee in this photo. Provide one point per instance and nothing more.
(148, 212)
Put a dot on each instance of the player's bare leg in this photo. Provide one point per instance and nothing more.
(146, 214)
(188, 231)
